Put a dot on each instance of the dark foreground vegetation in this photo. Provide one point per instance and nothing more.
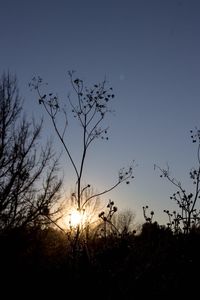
(155, 262)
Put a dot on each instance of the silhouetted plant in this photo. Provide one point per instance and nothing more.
(28, 183)
(149, 218)
(188, 215)
(108, 226)
(89, 109)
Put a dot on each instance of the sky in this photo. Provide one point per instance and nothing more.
(149, 51)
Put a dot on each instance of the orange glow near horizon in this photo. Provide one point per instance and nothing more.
(74, 218)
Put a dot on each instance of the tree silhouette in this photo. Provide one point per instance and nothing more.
(188, 215)
(89, 108)
(28, 183)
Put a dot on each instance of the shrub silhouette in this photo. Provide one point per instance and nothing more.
(188, 215)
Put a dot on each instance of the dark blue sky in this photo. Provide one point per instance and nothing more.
(150, 53)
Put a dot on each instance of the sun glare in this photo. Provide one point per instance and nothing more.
(75, 218)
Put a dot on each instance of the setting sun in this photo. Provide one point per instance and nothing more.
(75, 218)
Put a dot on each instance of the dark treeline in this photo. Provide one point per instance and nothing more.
(153, 263)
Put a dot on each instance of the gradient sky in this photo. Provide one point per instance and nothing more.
(149, 50)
